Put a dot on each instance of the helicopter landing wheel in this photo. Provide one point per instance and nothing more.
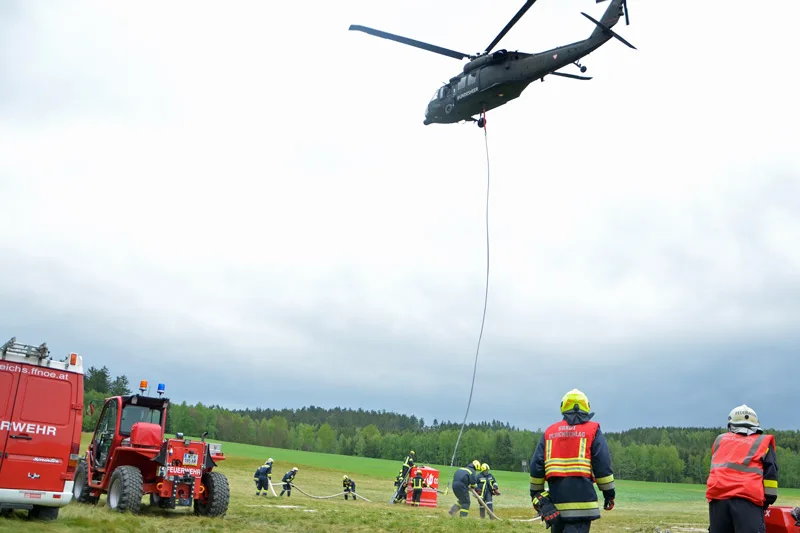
(583, 69)
(481, 122)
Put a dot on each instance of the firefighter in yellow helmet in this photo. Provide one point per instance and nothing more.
(487, 489)
(570, 455)
(408, 464)
(743, 480)
(348, 487)
(417, 484)
(464, 479)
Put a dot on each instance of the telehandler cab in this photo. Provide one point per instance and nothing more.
(129, 457)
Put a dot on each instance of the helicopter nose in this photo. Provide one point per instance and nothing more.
(429, 115)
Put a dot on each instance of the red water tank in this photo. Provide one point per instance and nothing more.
(782, 519)
(429, 494)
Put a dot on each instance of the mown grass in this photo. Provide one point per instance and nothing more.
(641, 506)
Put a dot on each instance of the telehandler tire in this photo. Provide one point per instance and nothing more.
(81, 492)
(219, 495)
(125, 489)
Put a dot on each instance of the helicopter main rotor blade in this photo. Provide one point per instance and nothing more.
(510, 24)
(411, 42)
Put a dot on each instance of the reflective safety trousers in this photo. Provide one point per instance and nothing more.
(737, 470)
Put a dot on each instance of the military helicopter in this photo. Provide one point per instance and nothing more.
(490, 80)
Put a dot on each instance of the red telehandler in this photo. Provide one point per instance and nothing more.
(129, 457)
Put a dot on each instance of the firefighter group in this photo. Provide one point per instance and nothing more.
(572, 457)
(263, 479)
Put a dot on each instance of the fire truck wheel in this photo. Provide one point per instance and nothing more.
(80, 489)
(40, 512)
(125, 489)
(216, 504)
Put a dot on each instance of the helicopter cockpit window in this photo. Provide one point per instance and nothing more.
(436, 95)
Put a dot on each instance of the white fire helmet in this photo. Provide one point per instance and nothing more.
(743, 419)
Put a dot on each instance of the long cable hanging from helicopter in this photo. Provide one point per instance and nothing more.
(485, 294)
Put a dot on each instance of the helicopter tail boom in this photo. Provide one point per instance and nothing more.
(611, 16)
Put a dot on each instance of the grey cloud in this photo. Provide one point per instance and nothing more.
(367, 366)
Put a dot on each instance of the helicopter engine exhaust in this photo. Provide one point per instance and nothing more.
(487, 59)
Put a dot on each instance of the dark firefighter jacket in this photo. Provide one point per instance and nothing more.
(261, 473)
(486, 483)
(288, 476)
(575, 496)
(417, 482)
(466, 475)
(349, 485)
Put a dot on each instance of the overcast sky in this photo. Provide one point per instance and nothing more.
(241, 201)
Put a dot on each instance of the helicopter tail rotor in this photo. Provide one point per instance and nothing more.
(608, 31)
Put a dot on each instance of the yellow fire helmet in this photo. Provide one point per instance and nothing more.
(485, 467)
(476, 464)
(344, 477)
(575, 400)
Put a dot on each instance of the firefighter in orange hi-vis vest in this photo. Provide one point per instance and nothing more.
(743, 480)
(571, 457)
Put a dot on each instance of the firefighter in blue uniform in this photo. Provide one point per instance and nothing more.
(400, 489)
(349, 487)
(487, 488)
(464, 479)
(417, 484)
(571, 453)
(263, 476)
(408, 464)
(287, 479)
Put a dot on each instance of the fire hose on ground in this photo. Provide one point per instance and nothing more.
(483, 504)
(355, 495)
(331, 496)
(475, 494)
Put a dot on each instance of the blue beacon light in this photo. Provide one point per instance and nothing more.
(161, 389)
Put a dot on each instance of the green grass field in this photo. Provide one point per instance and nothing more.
(641, 506)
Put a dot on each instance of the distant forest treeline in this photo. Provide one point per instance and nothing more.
(667, 454)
